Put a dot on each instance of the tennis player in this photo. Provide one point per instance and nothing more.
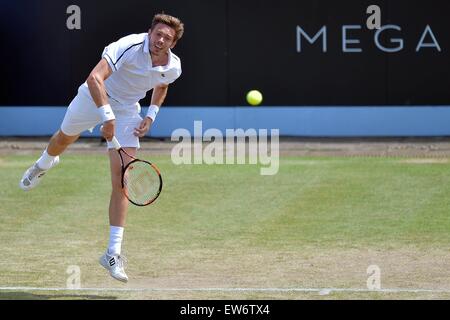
(128, 69)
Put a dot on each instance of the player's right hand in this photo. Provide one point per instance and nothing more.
(107, 129)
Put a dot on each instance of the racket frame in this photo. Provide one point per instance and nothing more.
(119, 149)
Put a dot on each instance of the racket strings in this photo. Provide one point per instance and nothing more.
(141, 182)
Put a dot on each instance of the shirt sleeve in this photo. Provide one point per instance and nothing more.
(117, 52)
(172, 76)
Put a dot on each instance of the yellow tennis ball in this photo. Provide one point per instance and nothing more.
(254, 97)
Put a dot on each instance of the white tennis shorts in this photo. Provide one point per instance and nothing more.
(82, 115)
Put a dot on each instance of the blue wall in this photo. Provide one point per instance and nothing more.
(291, 121)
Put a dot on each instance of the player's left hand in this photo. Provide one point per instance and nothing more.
(143, 127)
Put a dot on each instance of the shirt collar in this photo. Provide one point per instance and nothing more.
(146, 44)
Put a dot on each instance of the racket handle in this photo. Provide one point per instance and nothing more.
(115, 143)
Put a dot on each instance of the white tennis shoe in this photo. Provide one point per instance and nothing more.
(115, 264)
(33, 175)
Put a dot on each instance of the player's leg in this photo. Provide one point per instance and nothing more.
(112, 260)
(49, 158)
(80, 116)
(59, 143)
(118, 204)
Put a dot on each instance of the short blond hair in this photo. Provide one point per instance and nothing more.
(170, 21)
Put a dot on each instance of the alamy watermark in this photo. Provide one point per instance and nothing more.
(374, 279)
(74, 279)
(73, 22)
(374, 20)
(261, 149)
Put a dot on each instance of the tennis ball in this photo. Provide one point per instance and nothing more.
(254, 97)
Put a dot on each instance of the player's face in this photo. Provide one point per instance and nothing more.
(162, 38)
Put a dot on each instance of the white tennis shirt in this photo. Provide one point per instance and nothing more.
(133, 73)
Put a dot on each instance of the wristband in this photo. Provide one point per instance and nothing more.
(106, 113)
(152, 112)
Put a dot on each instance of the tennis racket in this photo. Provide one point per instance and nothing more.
(141, 180)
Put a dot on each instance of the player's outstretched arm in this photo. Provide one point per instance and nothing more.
(96, 85)
(158, 96)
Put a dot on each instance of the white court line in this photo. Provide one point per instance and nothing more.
(321, 291)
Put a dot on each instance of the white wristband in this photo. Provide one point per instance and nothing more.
(152, 112)
(106, 113)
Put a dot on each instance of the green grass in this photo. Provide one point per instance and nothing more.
(320, 222)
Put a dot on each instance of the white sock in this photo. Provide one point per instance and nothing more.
(45, 161)
(115, 240)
